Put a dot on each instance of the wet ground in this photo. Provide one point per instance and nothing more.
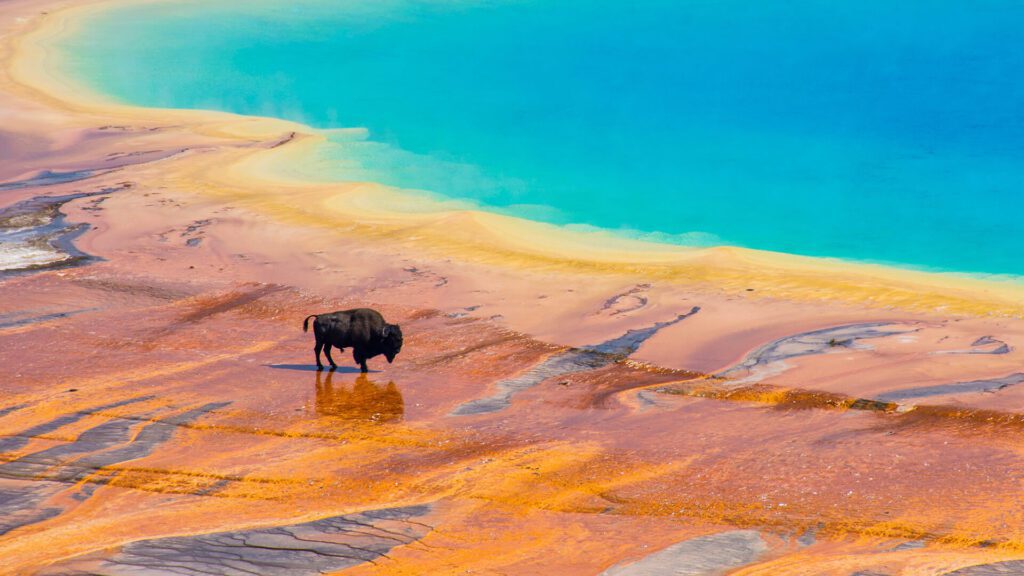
(160, 422)
(160, 410)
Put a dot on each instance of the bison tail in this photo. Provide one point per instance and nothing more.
(305, 323)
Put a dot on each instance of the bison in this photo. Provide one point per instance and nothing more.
(362, 329)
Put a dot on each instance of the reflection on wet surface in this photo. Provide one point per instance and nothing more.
(362, 399)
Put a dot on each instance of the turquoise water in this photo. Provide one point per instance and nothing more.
(869, 130)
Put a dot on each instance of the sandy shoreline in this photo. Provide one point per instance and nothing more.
(558, 389)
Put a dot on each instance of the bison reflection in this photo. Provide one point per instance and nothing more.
(366, 400)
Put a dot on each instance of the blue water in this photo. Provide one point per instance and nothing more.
(869, 130)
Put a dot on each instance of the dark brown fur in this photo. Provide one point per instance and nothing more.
(364, 330)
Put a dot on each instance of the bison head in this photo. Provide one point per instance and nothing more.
(392, 343)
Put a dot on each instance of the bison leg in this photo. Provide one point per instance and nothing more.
(360, 360)
(327, 351)
(316, 349)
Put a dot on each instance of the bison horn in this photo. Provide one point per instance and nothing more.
(387, 330)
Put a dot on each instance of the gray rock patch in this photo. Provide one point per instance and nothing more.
(306, 549)
(568, 362)
(704, 556)
(35, 235)
(769, 360)
(14, 442)
(1010, 567)
(48, 178)
(993, 385)
(16, 320)
(13, 408)
(27, 483)
(998, 347)
(912, 545)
